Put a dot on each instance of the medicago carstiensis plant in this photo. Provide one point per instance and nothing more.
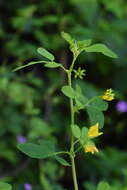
(80, 137)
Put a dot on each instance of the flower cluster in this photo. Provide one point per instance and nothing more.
(108, 95)
(92, 133)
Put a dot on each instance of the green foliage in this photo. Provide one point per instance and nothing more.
(68, 91)
(85, 45)
(52, 65)
(95, 116)
(76, 46)
(43, 150)
(29, 105)
(46, 54)
(103, 185)
(95, 107)
(84, 135)
(62, 161)
(76, 131)
(5, 186)
(102, 49)
(27, 65)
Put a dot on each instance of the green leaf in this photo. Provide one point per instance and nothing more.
(84, 135)
(46, 54)
(95, 116)
(72, 42)
(27, 65)
(62, 161)
(98, 104)
(68, 91)
(103, 186)
(83, 44)
(102, 49)
(5, 186)
(67, 37)
(94, 107)
(76, 131)
(80, 99)
(43, 150)
(52, 65)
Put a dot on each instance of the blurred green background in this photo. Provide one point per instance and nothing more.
(31, 104)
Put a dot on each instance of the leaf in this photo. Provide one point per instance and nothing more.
(80, 99)
(5, 186)
(68, 91)
(95, 116)
(72, 42)
(43, 150)
(99, 104)
(84, 135)
(67, 37)
(62, 161)
(103, 186)
(29, 64)
(52, 65)
(46, 54)
(76, 131)
(94, 107)
(102, 49)
(83, 44)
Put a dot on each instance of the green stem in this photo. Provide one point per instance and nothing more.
(72, 138)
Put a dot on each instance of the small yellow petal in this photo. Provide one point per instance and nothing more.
(90, 148)
(108, 95)
(94, 131)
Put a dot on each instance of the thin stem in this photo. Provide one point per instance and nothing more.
(74, 173)
(76, 142)
(78, 149)
(72, 122)
(71, 109)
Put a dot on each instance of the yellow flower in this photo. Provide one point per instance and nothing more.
(90, 148)
(108, 95)
(94, 131)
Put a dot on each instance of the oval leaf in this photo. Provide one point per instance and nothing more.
(98, 104)
(103, 186)
(68, 91)
(5, 186)
(102, 49)
(43, 150)
(52, 65)
(45, 53)
(76, 131)
(95, 116)
(67, 37)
